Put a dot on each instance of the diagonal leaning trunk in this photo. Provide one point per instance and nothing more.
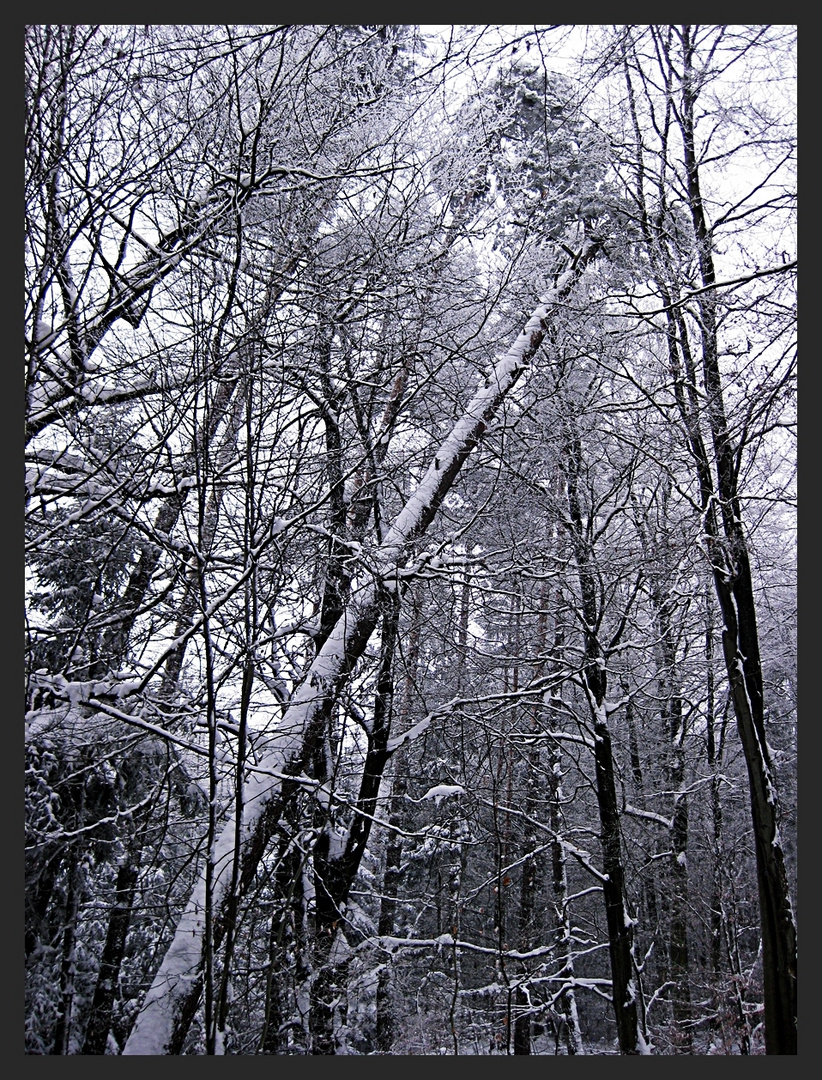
(172, 999)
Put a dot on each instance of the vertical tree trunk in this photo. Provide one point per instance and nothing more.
(648, 904)
(715, 748)
(625, 989)
(680, 964)
(285, 1024)
(392, 875)
(661, 567)
(114, 949)
(68, 966)
(529, 888)
(740, 639)
(393, 870)
(725, 535)
(335, 874)
(559, 882)
(620, 924)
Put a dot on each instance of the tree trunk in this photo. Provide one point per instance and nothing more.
(625, 990)
(68, 966)
(740, 640)
(392, 874)
(559, 882)
(113, 951)
(661, 570)
(725, 535)
(171, 1001)
(620, 925)
(393, 870)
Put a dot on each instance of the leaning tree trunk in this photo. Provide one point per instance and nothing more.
(172, 999)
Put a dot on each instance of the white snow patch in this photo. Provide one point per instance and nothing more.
(442, 791)
(643, 1047)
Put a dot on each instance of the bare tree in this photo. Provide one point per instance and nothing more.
(689, 60)
(390, 407)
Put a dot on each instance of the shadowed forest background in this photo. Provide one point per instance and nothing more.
(410, 640)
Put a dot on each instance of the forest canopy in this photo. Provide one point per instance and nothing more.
(410, 631)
